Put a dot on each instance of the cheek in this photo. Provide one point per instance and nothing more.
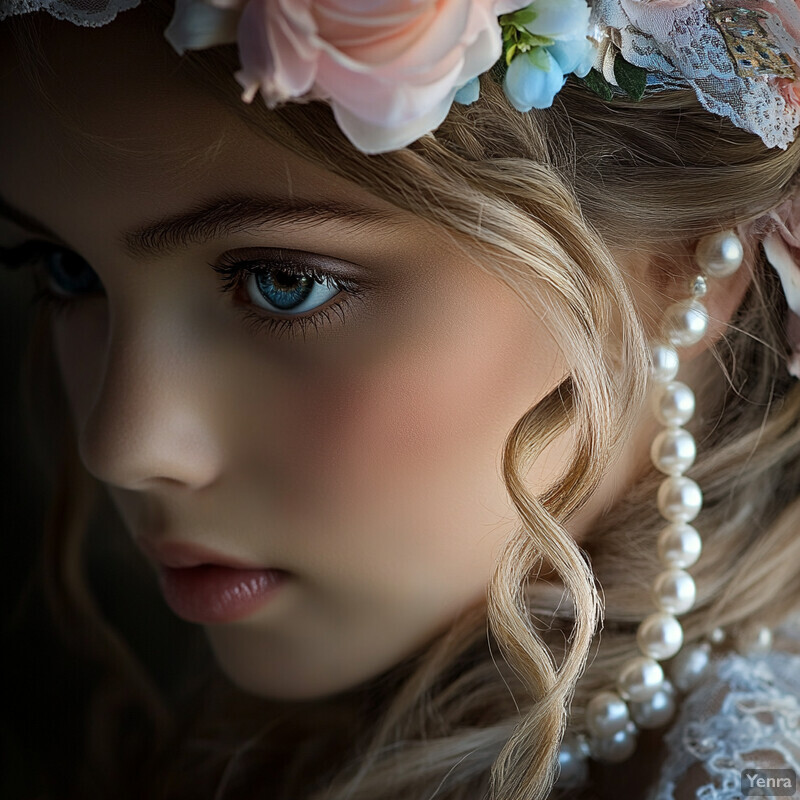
(408, 439)
(79, 343)
(390, 488)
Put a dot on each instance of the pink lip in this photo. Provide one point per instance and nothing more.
(210, 593)
(206, 586)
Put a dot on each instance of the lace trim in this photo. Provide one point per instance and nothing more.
(89, 13)
(683, 44)
(749, 716)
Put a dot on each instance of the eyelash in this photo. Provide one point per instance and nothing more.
(235, 271)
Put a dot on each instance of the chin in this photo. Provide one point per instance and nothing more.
(261, 667)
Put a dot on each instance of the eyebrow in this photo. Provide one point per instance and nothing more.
(225, 216)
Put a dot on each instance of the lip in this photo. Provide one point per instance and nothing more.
(182, 555)
(210, 593)
(203, 585)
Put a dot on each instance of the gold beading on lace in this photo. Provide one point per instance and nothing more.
(753, 52)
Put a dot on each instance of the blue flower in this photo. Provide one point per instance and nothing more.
(574, 55)
(469, 92)
(557, 19)
(533, 80)
(545, 42)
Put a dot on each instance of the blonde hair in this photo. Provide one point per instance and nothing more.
(544, 200)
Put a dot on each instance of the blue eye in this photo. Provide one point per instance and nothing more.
(280, 285)
(276, 289)
(65, 275)
(286, 283)
(69, 274)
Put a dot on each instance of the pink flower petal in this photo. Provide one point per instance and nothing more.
(782, 249)
(388, 67)
(429, 39)
(507, 6)
(371, 138)
(387, 93)
(787, 264)
(275, 55)
(380, 101)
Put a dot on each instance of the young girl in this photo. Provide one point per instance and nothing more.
(382, 328)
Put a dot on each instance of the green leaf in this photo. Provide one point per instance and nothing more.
(535, 40)
(510, 53)
(538, 57)
(631, 78)
(522, 17)
(595, 81)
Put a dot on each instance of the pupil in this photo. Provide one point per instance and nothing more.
(71, 272)
(69, 266)
(283, 289)
(284, 280)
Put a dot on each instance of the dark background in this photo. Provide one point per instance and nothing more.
(46, 684)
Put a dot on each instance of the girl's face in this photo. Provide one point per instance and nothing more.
(347, 432)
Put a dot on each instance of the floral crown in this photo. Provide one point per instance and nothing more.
(391, 69)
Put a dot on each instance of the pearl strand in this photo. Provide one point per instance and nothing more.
(643, 697)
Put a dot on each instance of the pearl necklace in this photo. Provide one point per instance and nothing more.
(642, 696)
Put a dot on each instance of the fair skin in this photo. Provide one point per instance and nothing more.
(361, 456)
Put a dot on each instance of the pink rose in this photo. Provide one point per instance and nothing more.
(790, 91)
(389, 68)
(782, 249)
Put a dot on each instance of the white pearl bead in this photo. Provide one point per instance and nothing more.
(664, 363)
(686, 323)
(679, 545)
(660, 636)
(640, 678)
(673, 451)
(673, 403)
(718, 635)
(754, 641)
(679, 499)
(615, 748)
(674, 591)
(572, 762)
(690, 666)
(720, 254)
(606, 713)
(656, 711)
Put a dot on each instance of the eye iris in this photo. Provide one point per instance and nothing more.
(71, 273)
(283, 289)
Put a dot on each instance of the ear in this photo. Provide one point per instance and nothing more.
(662, 278)
(724, 296)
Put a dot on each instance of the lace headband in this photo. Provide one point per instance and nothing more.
(392, 69)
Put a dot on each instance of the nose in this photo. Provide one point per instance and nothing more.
(150, 419)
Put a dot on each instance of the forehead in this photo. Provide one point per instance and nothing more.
(110, 129)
